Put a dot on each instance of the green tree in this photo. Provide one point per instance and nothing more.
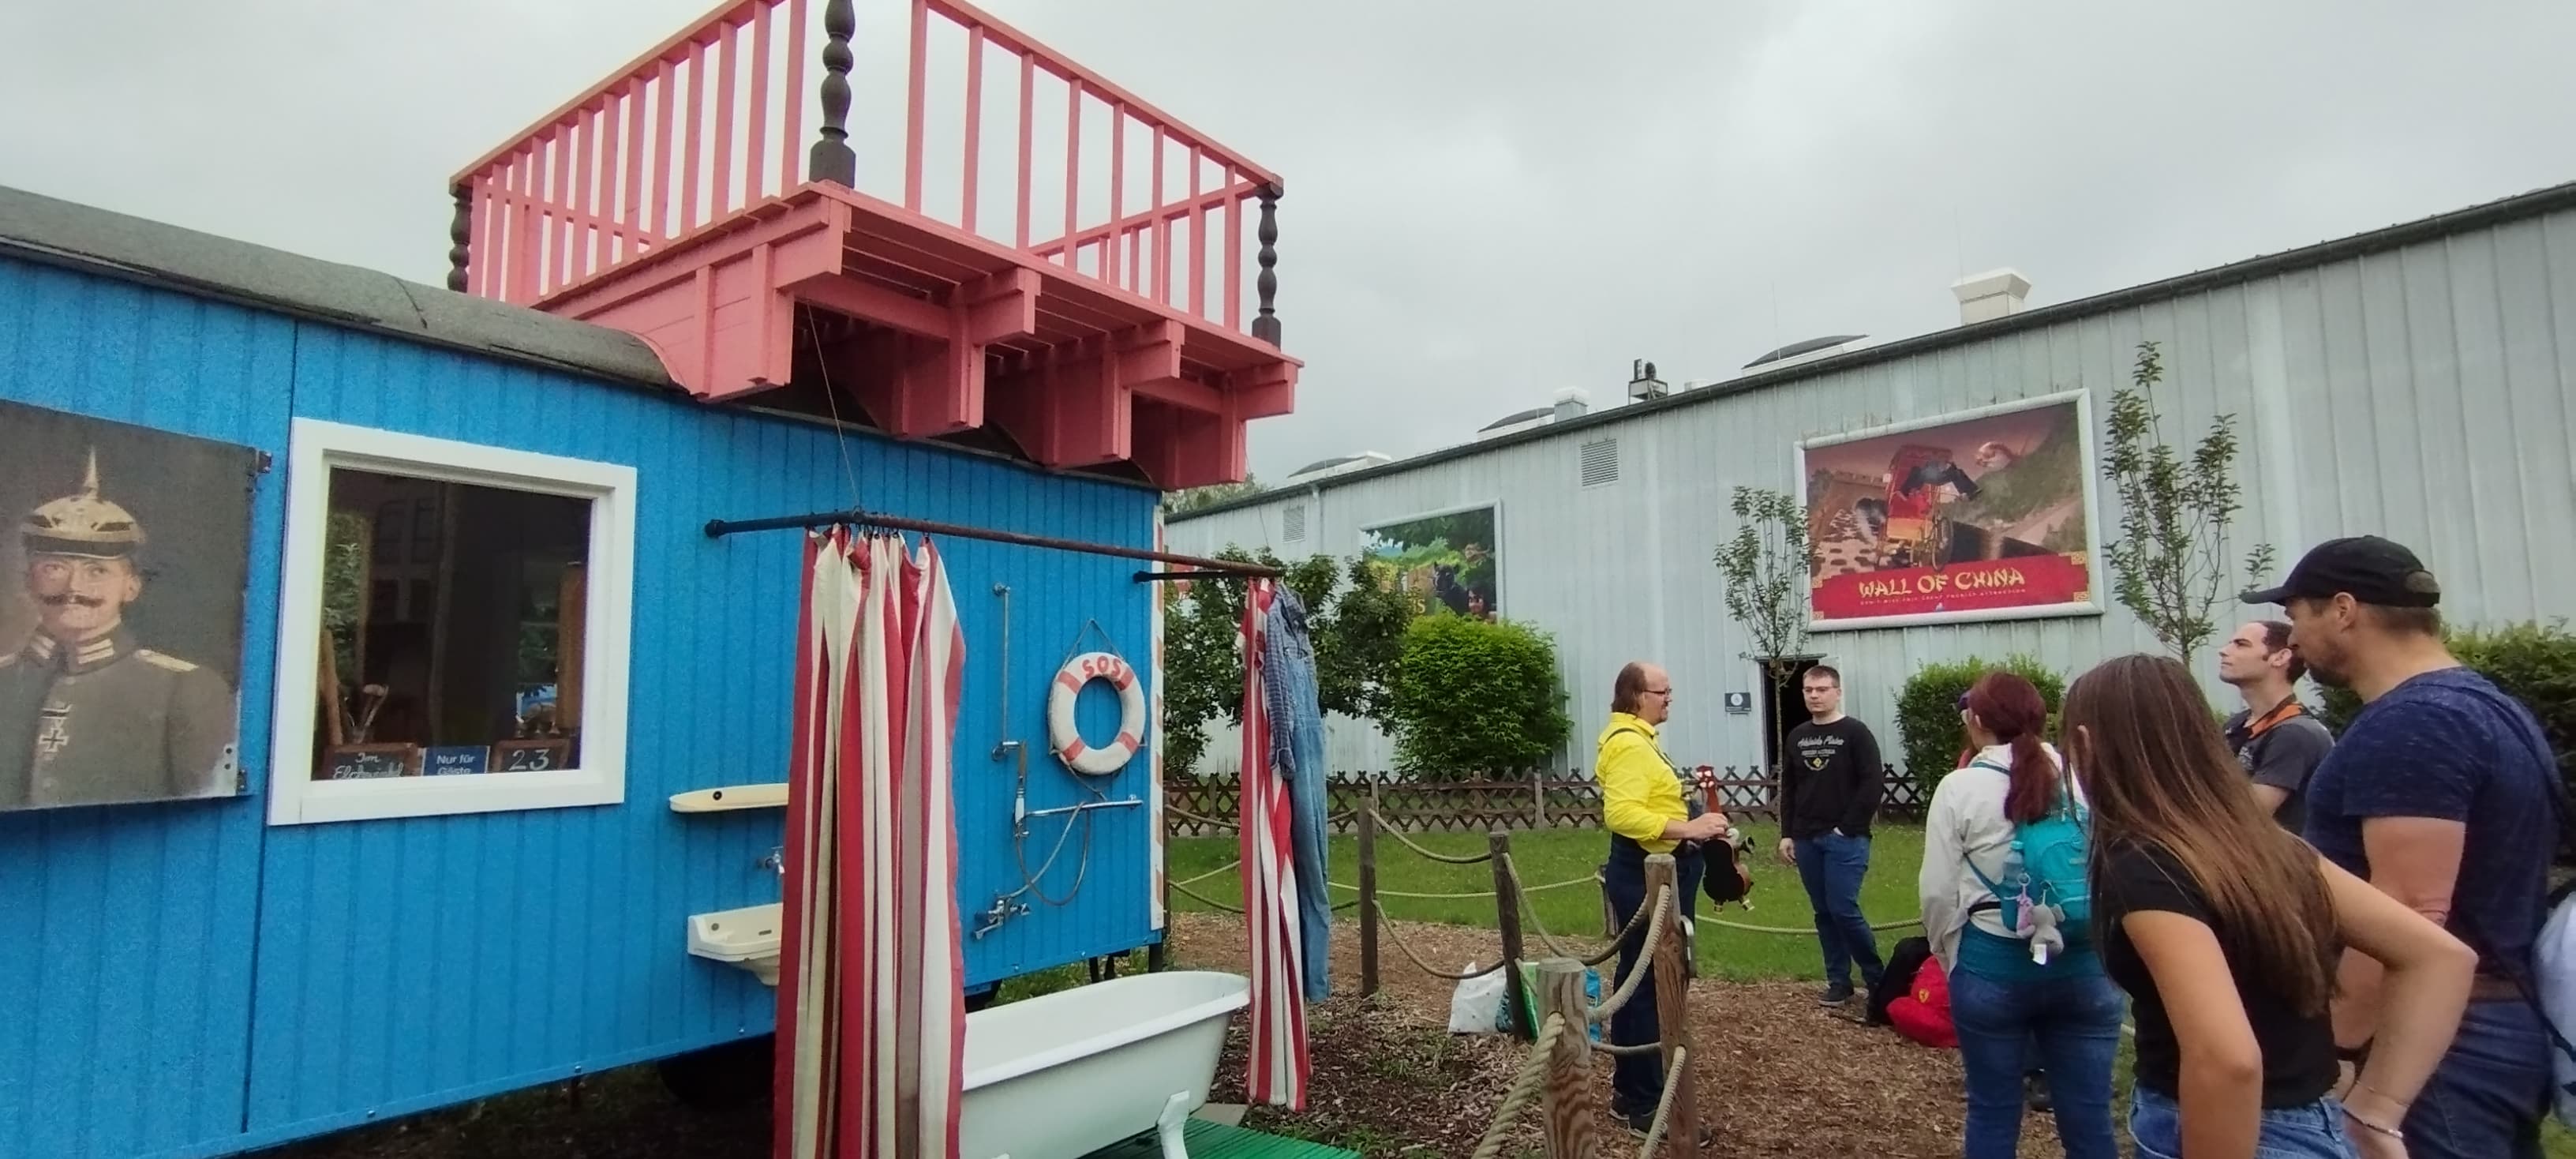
(1765, 566)
(2168, 564)
(1473, 699)
(1196, 498)
(2534, 663)
(1357, 627)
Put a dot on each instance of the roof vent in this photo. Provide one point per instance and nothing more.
(1292, 523)
(1990, 295)
(1642, 383)
(1572, 402)
(1600, 462)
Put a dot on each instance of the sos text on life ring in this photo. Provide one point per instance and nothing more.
(1067, 740)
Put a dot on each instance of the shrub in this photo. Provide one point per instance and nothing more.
(1473, 698)
(2535, 663)
(1927, 711)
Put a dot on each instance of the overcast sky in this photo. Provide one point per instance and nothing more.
(1488, 200)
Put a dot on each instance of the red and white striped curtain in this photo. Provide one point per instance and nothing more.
(871, 1007)
(1278, 1040)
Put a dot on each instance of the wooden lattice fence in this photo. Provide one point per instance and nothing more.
(1207, 806)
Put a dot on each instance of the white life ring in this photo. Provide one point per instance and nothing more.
(1067, 740)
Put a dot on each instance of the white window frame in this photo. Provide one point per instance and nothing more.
(315, 448)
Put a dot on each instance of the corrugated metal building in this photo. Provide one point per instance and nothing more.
(205, 976)
(2417, 381)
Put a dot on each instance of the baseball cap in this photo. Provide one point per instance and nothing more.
(2371, 569)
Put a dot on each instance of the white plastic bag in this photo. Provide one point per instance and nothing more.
(1476, 1003)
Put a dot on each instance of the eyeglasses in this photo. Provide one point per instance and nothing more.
(1666, 693)
(1963, 702)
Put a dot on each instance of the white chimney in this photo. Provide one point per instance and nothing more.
(1990, 295)
(1572, 402)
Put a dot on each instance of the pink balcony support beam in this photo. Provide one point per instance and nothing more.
(666, 81)
(726, 83)
(1233, 264)
(585, 139)
(690, 145)
(791, 148)
(1117, 188)
(915, 99)
(1198, 236)
(1072, 160)
(974, 123)
(755, 158)
(1028, 126)
(1162, 230)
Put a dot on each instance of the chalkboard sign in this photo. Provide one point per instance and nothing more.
(531, 756)
(363, 762)
(454, 760)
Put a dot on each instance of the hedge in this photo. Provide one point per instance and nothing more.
(1472, 697)
(1927, 711)
(2535, 663)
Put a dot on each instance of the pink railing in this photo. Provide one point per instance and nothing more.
(1050, 158)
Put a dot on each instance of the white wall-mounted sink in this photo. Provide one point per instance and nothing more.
(746, 937)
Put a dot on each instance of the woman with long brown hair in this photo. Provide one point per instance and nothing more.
(2014, 977)
(2225, 929)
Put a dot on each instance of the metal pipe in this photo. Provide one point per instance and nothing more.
(1002, 719)
(719, 528)
(1084, 806)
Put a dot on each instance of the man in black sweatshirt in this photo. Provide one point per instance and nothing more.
(1828, 794)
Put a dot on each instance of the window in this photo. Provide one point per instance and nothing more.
(467, 609)
(1600, 462)
(1292, 523)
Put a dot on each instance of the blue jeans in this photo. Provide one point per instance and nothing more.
(1297, 747)
(2077, 1022)
(2314, 1131)
(2487, 1097)
(1831, 867)
(1637, 1080)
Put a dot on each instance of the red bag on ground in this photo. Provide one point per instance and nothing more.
(1923, 1013)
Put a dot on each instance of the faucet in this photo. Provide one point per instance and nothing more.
(775, 859)
(1004, 909)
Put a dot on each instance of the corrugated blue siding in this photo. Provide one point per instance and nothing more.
(125, 1015)
(404, 964)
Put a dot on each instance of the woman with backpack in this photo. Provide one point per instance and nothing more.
(2004, 903)
(2226, 929)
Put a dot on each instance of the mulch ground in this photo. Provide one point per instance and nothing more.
(1779, 1076)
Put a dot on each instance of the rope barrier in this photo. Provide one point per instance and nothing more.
(1206, 900)
(1637, 972)
(1533, 1074)
(1390, 830)
(1389, 925)
(1530, 912)
(1468, 896)
(1664, 1106)
(1196, 819)
(1636, 1048)
(1228, 867)
(1809, 931)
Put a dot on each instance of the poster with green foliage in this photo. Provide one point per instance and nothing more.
(1448, 561)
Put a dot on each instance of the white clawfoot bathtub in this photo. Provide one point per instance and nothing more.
(1066, 1074)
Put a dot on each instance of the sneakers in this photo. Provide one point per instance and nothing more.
(2034, 1092)
(1639, 1125)
(1836, 995)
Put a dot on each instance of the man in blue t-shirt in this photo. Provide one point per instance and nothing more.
(2441, 794)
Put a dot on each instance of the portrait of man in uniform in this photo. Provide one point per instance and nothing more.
(94, 709)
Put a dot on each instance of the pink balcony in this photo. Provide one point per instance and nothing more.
(1015, 245)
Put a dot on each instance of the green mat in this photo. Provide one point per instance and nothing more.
(1208, 1140)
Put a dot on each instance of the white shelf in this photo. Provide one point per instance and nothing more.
(731, 797)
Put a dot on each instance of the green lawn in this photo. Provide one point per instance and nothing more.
(1574, 912)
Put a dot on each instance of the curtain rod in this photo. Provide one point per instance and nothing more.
(1208, 568)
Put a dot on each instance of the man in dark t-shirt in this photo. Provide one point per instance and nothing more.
(2439, 793)
(2273, 736)
(1829, 794)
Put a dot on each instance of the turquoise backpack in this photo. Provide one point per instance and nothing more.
(2046, 868)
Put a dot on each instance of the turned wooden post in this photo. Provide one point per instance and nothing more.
(1569, 1064)
(1368, 897)
(460, 235)
(832, 159)
(1507, 918)
(1266, 327)
(1672, 1012)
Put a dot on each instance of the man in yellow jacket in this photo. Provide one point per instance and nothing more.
(1646, 805)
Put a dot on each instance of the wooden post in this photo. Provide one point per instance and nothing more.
(1266, 326)
(1672, 1011)
(460, 236)
(1538, 799)
(1368, 899)
(1569, 1065)
(1507, 918)
(832, 159)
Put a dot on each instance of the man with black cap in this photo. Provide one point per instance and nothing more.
(2441, 793)
(88, 717)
